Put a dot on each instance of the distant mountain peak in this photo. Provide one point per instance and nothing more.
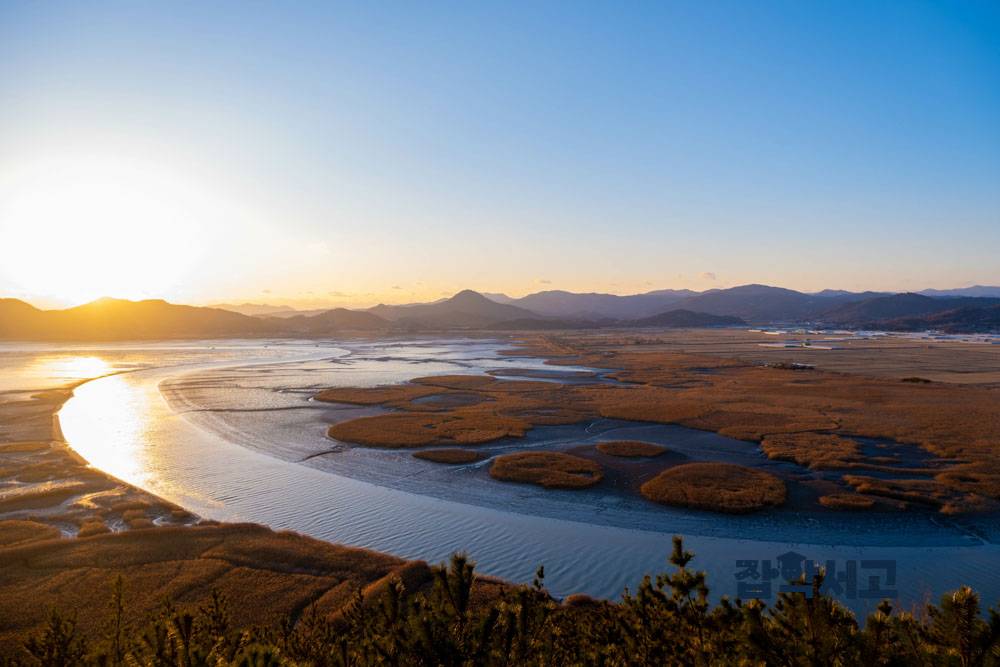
(973, 291)
(468, 295)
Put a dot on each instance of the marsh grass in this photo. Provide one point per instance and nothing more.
(817, 451)
(719, 487)
(847, 501)
(553, 470)
(446, 615)
(810, 419)
(273, 575)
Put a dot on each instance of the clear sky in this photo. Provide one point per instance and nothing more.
(353, 153)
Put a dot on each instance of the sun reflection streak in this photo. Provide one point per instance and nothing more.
(115, 433)
(68, 367)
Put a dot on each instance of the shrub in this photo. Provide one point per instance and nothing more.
(668, 620)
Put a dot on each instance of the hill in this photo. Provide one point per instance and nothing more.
(984, 319)
(597, 306)
(465, 310)
(762, 303)
(975, 290)
(885, 309)
(255, 309)
(498, 297)
(687, 318)
(333, 321)
(118, 319)
(20, 320)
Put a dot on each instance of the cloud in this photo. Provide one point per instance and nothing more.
(396, 287)
(708, 275)
(266, 291)
(544, 281)
(341, 295)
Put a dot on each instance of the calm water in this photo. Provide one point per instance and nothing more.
(228, 430)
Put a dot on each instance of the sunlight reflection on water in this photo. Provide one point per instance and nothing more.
(23, 369)
(62, 367)
(124, 425)
(113, 421)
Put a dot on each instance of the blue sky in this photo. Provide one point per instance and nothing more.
(356, 153)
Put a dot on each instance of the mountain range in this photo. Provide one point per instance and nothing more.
(116, 319)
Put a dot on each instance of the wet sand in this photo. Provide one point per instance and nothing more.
(43, 480)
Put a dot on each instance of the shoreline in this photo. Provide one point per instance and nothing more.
(46, 468)
(179, 557)
(129, 541)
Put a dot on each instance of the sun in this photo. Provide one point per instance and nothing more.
(77, 228)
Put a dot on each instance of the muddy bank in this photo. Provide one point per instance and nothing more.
(68, 530)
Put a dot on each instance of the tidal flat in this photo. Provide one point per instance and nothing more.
(68, 529)
(248, 442)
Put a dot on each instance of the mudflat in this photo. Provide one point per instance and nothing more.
(67, 531)
(891, 435)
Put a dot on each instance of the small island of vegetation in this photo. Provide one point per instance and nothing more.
(553, 470)
(719, 487)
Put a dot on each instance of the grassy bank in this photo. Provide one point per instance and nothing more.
(666, 621)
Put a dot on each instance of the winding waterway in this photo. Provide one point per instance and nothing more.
(229, 431)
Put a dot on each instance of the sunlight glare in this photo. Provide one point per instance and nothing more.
(116, 434)
(64, 368)
(81, 227)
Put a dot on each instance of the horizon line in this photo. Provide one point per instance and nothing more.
(320, 304)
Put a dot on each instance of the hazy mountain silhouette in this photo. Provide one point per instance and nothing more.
(465, 310)
(20, 320)
(762, 303)
(897, 306)
(332, 321)
(116, 319)
(499, 297)
(255, 309)
(669, 319)
(959, 320)
(597, 306)
(847, 295)
(687, 318)
(976, 290)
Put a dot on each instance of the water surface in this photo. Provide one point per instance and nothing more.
(231, 433)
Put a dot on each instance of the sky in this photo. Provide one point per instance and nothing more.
(348, 154)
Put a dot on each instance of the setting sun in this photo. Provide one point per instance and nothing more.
(80, 227)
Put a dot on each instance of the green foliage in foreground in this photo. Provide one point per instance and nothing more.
(667, 621)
